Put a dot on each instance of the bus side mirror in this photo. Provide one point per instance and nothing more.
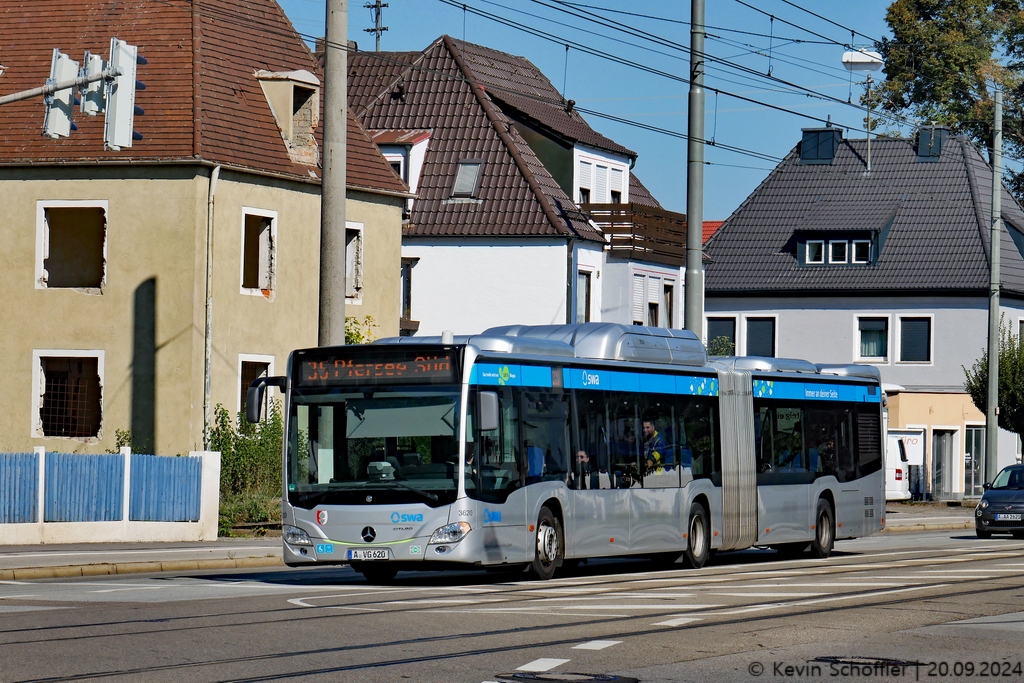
(487, 415)
(255, 393)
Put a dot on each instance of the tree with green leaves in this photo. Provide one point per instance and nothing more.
(942, 61)
(1011, 381)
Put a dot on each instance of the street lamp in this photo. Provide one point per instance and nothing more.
(862, 60)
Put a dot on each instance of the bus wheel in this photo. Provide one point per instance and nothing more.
(697, 537)
(824, 537)
(549, 545)
(376, 572)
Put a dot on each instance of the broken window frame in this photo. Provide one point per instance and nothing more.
(39, 389)
(43, 239)
(267, 292)
(354, 263)
(264, 359)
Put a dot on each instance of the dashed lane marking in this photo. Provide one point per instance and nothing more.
(677, 621)
(543, 664)
(596, 645)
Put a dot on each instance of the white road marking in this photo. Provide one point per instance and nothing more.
(7, 609)
(132, 588)
(542, 664)
(515, 610)
(628, 596)
(661, 607)
(771, 595)
(678, 621)
(440, 601)
(596, 645)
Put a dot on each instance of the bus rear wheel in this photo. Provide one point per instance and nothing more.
(549, 547)
(824, 536)
(698, 541)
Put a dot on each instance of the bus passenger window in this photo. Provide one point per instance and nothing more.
(546, 434)
(697, 417)
(592, 466)
(495, 469)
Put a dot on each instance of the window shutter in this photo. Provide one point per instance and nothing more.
(654, 290)
(585, 179)
(761, 337)
(615, 184)
(722, 327)
(601, 185)
(915, 339)
(638, 298)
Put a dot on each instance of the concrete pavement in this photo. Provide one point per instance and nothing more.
(93, 559)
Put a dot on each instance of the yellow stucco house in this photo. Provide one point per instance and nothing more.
(105, 252)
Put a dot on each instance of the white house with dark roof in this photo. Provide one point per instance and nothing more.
(506, 173)
(829, 262)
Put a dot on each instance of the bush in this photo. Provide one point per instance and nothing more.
(250, 467)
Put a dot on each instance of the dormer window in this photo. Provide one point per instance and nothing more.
(861, 251)
(815, 252)
(837, 251)
(294, 98)
(467, 178)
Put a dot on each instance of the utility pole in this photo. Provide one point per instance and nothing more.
(378, 7)
(694, 280)
(992, 403)
(332, 186)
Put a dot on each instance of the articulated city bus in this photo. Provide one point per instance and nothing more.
(542, 446)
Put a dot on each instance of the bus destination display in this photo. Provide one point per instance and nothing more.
(412, 367)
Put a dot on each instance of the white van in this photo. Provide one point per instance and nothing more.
(904, 449)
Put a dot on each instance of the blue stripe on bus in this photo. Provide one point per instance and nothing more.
(511, 375)
(819, 391)
(608, 380)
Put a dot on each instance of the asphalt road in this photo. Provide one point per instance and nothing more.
(889, 607)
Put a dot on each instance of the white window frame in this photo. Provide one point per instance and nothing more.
(360, 261)
(253, 358)
(846, 251)
(807, 252)
(43, 235)
(742, 334)
(735, 328)
(665, 312)
(899, 340)
(36, 429)
(590, 270)
(888, 341)
(853, 251)
(274, 252)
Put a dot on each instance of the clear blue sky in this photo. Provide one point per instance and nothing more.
(624, 91)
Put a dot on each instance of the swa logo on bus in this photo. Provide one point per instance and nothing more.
(590, 379)
(397, 518)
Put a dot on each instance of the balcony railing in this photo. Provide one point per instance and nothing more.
(641, 233)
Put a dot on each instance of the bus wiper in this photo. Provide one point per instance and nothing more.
(426, 494)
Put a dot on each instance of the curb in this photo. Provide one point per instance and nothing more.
(903, 528)
(59, 572)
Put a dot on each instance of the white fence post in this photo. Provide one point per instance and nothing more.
(209, 494)
(126, 453)
(41, 494)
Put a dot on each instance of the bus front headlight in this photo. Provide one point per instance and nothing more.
(450, 533)
(296, 536)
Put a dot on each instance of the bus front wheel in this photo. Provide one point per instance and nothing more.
(698, 541)
(824, 536)
(549, 546)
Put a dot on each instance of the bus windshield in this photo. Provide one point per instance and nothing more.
(372, 447)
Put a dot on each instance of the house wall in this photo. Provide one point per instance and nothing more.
(590, 259)
(148, 320)
(825, 330)
(596, 156)
(618, 283)
(380, 298)
(467, 285)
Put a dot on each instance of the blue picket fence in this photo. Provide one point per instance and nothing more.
(83, 488)
(19, 487)
(164, 489)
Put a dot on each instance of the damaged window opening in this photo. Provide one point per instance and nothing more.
(258, 254)
(353, 262)
(70, 405)
(250, 371)
(303, 117)
(73, 247)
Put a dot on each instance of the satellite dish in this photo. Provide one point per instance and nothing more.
(862, 60)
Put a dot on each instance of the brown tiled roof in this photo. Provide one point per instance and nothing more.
(517, 195)
(202, 100)
(367, 168)
(639, 194)
(399, 136)
(518, 84)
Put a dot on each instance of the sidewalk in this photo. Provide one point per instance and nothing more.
(93, 559)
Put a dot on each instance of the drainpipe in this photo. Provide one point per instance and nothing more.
(207, 333)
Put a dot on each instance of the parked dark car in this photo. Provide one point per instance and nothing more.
(1001, 509)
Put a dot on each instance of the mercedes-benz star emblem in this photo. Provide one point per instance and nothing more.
(368, 534)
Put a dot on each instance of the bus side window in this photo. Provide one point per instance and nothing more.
(846, 467)
(821, 440)
(592, 446)
(697, 417)
(546, 427)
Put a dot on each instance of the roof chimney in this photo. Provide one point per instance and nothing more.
(929, 142)
(819, 145)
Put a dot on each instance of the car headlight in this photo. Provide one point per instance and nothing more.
(296, 536)
(450, 533)
(983, 504)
